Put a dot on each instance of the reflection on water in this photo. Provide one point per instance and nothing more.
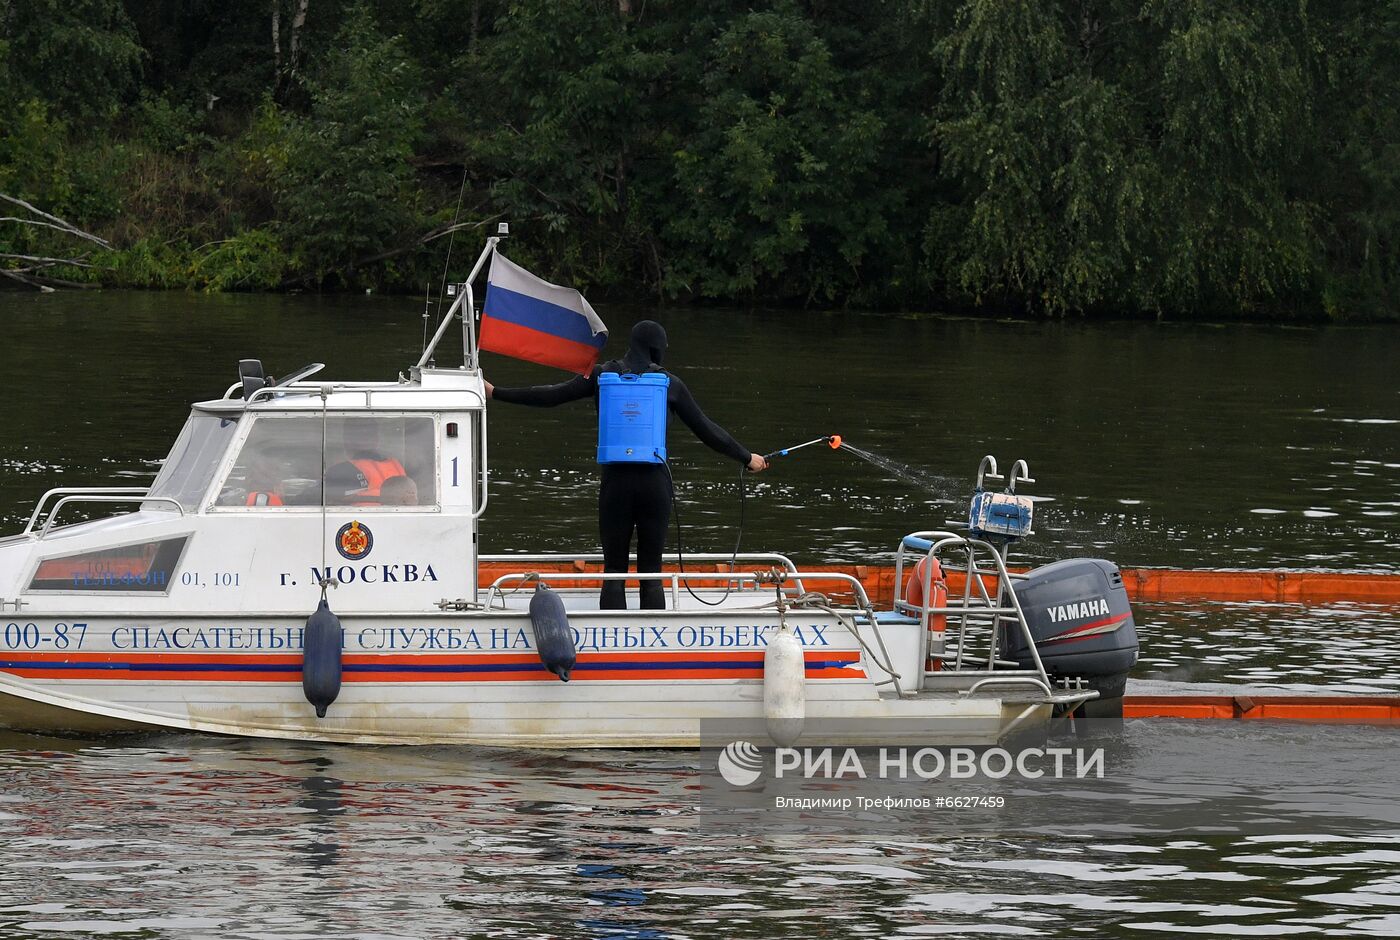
(321, 796)
(180, 835)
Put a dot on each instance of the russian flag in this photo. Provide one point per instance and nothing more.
(531, 319)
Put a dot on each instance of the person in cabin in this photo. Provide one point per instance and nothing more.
(264, 482)
(357, 480)
(636, 492)
(399, 491)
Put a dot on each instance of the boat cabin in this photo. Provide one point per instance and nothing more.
(374, 488)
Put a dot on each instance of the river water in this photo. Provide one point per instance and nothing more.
(1182, 445)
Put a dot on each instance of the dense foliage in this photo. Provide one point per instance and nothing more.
(1170, 158)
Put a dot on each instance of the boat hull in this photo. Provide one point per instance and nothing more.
(643, 679)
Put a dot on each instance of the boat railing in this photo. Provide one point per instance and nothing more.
(747, 581)
(308, 388)
(465, 308)
(744, 580)
(367, 389)
(746, 558)
(63, 495)
(983, 561)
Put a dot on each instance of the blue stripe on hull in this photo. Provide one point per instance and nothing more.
(756, 666)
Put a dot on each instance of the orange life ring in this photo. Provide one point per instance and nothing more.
(937, 624)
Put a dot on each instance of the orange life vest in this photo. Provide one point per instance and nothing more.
(376, 471)
(263, 499)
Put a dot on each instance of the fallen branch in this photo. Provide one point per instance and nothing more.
(27, 281)
(429, 236)
(71, 262)
(18, 220)
(44, 282)
(57, 222)
(432, 235)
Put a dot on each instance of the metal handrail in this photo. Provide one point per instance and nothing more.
(469, 316)
(905, 607)
(677, 577)
(303, 387)
(1009, 680)
(931, 543)
(756, 578)
(442, 329)
(597, 556)
(93, 498)
(331, 388)
(594, 557)
(64, 490)
(484, 468)
(273, 391)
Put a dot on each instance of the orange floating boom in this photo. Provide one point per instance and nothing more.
(1333, 709)
(1170, 584)
(1143, 584)
(1159, 584)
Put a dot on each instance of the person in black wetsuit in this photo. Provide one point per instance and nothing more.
(635, 496)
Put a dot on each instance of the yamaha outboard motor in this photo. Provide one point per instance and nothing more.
(1078, 613)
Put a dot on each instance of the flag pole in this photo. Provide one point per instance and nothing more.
(468, 315)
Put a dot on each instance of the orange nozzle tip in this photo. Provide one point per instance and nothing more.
(834, 441)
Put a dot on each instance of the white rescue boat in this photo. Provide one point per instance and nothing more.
(189, 609)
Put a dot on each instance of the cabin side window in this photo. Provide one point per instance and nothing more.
(146, 567)
(189, 469)
(369, 460)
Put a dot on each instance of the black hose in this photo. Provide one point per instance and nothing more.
(680, 553)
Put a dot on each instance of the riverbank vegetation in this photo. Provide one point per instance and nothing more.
(1194, 158)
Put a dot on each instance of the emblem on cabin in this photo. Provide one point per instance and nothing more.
(354, 540)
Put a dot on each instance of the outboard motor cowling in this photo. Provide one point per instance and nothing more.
(1079, 615)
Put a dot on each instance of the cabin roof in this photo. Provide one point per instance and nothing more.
(424, 390)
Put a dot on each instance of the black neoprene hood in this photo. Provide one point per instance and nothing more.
(647, 346)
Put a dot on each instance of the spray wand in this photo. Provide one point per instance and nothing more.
(831, 440)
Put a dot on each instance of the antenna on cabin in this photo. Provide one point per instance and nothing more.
(427, 302)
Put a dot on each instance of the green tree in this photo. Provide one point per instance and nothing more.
(79, 56)
(345, 191)
(1111, 153)
(1167, 157)
(1353, 161)
(776, 191)
(562, 100)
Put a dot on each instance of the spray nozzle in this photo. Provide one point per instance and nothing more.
(831, 440)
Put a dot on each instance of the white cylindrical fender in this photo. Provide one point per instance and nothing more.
(784, 687)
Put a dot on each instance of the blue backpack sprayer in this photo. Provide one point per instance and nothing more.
(632, 417)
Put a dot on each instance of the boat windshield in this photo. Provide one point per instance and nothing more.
(193, 461)
(368, 460)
